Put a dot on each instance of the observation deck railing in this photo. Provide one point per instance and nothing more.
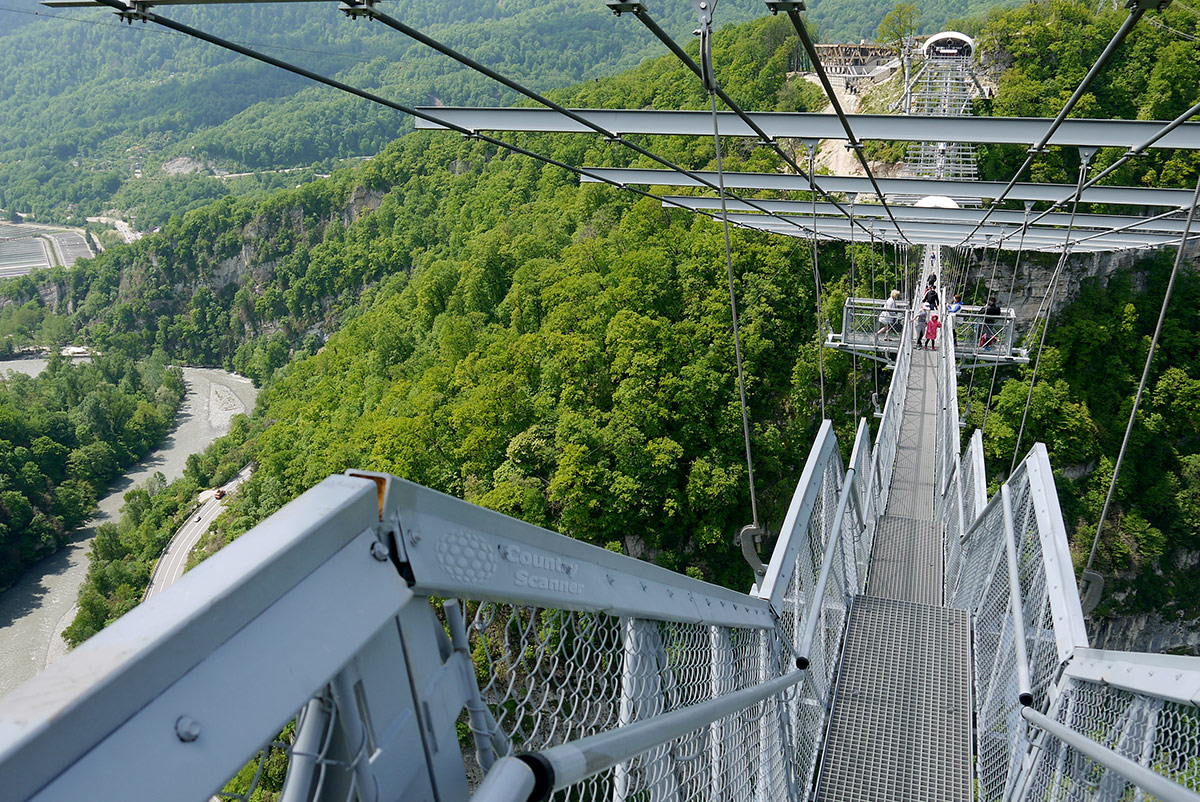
(982, 337)
(869, 327)
(384, 641)
(1050, 725)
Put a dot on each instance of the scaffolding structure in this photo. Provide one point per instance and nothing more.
(944, 88)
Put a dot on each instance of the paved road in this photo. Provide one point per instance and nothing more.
(124, 229)
(173, 561)
(35, 610)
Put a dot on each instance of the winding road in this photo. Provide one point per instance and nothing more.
(34, 611)
(173, 562)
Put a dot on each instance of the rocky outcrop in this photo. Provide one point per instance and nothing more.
(1035, 271)
(1146, 633)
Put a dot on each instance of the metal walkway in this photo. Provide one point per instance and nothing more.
(382, 617)
(901, 725)
(900, 728)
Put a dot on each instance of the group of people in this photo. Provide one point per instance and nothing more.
(927, 322)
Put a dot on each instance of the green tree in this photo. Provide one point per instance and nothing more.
(902, 22)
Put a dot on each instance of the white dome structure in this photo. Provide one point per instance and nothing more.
(949, 44)
(936, 202)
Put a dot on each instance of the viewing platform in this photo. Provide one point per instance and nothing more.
(871, 330)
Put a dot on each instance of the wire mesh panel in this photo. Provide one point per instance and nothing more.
(887, 440)
(983, 587)
(1159, 734)
(978, 334)
(867, 322)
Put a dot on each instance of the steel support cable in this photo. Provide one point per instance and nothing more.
(793, 12)
(1132, 153)
(364, 8)
(1047, 302)
(853, 293)
(1137, 399)
(991, 282)
(644, 17)
(871, 261)
(1120, 162)
(1135, 14)
(812, 157)
(149, 16)
(987, 407)
(737, 341)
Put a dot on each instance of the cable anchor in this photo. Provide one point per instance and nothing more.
(136, 11)
(357, 9)
(749, 540)
(704, 11)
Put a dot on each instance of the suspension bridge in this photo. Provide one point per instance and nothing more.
(908, 637)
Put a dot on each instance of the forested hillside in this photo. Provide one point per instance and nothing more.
(855, 20)
(85, 99)
(562, 353)
(1039, 52)
(558, 352)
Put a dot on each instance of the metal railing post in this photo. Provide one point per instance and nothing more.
(1024, 688)
(1156, 784)
(810, 627)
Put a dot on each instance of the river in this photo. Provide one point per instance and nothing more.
(35, 610)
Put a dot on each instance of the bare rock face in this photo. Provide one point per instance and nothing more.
(1035, 271)
(1146, 633)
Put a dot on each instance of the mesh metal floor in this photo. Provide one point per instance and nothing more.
(907, 561)
(911, 493)
(900, 729)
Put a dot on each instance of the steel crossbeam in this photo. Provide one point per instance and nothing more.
(943, 233)
(800, 125)
(849, 184)
(925, 214)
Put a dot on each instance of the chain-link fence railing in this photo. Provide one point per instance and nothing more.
(1139, 722)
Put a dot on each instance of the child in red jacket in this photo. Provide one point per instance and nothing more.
(931, 330)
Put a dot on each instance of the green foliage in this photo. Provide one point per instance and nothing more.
(1089, 374)
(1043, 49)
(64, 435)
(858, 20)
(903, 21)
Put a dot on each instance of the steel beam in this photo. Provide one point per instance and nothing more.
(857, 185)
(926, 214)
(839, 226)
(883, 127)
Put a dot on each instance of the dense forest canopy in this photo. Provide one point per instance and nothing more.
(64, 435)
(1039, 52)
(481, 323)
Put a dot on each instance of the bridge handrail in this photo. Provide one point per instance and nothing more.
(1030, 595)
(887, 439)
(1122, 725)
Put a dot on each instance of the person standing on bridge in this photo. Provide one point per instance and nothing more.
(991, 325)
(931, 297)
(921, 318)
(931, 330)
(891, 317)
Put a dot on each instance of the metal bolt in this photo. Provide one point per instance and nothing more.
(704, 5)
(379, 551)
(187, 729)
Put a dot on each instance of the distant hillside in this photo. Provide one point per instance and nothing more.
(85, 100)
(853, 20)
